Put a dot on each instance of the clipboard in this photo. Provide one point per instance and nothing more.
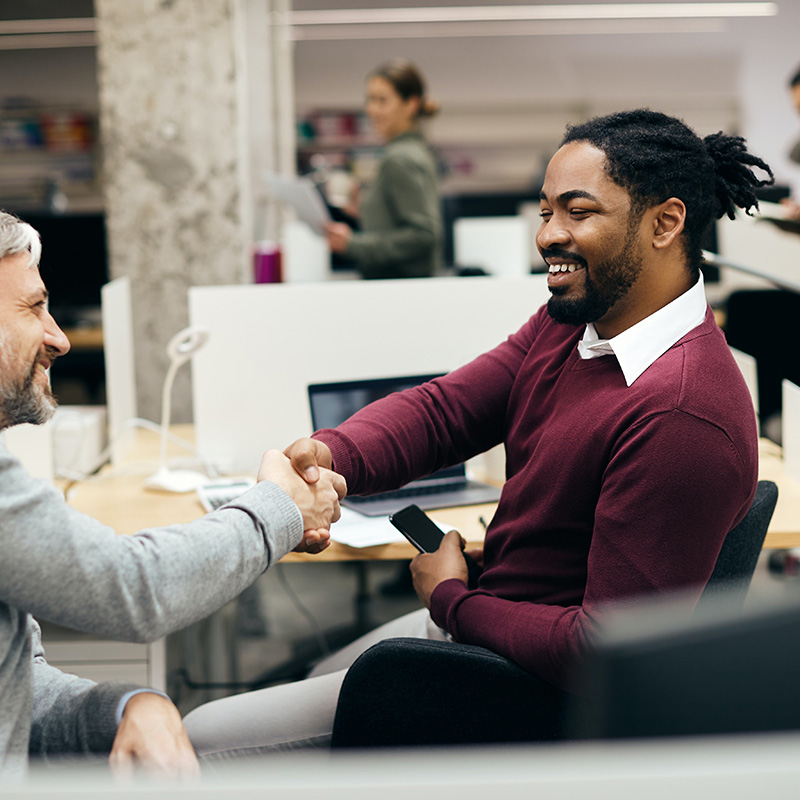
(303, 196)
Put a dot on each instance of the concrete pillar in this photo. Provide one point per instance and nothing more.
(179, 81)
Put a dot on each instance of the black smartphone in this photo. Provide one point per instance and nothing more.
(418, 528)
(426, 536)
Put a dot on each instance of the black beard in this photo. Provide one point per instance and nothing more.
(27, 403)
(615, 279)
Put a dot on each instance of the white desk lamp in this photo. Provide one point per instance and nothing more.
(182, 346)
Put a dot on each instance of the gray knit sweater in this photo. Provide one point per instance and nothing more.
(63, 566)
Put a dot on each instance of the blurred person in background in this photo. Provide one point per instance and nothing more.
(793, 206)
(399, 217)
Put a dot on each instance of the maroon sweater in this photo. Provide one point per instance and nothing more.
(612, 491)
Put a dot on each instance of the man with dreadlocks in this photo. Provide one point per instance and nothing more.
(630, 437)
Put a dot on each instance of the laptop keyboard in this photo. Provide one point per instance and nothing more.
(214, 494)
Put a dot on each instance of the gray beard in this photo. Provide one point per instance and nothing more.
(25, 402)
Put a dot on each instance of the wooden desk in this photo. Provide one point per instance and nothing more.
(120, 501)
(784, 529)
(117, 498)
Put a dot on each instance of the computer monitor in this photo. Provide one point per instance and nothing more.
(481, 204)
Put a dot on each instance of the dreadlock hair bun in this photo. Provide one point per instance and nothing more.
(735, 182)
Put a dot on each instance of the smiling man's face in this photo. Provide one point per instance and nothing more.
(589, 237)
(30, 340)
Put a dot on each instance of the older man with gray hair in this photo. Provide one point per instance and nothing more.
(67, 568)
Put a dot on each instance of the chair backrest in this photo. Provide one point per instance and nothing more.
(738, 557)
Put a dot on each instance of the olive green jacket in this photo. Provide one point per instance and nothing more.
(794, 153)
(401, 224)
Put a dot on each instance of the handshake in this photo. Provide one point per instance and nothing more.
(304, 472)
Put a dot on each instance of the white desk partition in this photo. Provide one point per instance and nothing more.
(748, 366)
(500, 245)
(790, 429)
(33, 446)
(118, 345)
(759, 248)
(269, 342)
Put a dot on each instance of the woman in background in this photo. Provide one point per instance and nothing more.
(400, 232)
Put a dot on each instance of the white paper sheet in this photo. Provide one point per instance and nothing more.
(357, 530)
(302, 195)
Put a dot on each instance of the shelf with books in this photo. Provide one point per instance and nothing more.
(48, 155)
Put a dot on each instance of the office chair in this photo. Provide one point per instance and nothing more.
(415, 692)
(739, 554)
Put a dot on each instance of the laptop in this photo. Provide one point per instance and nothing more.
(332, 403)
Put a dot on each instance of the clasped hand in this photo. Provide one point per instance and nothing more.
(338, 235)
(312, 458)
(318, 501)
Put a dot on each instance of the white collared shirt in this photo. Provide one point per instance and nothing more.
(640, 345)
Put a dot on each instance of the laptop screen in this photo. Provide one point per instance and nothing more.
(333, 403)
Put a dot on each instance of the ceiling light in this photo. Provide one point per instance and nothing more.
(434, 30)
(600, 11)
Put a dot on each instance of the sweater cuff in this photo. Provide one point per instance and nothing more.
(101, 707)
(444, 598)
(279, 518)
(342, 463)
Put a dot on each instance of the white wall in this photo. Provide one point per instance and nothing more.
(769, 59)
